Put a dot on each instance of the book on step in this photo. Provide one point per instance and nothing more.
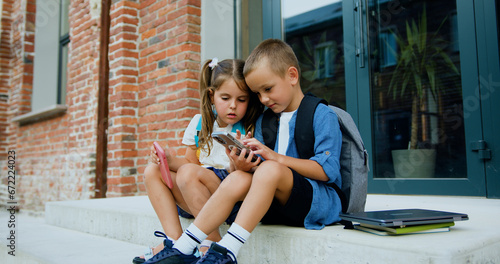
(415, 229)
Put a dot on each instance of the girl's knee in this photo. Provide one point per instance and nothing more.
(188, 173)
(152, 172)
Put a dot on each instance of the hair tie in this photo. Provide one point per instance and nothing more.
(213, 63)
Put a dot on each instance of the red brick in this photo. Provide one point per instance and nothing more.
(148, 34)
(157, 56)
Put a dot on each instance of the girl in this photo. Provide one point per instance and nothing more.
(227, 104)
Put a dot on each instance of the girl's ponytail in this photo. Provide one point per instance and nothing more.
(207, 115)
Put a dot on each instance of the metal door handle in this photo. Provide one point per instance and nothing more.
(360, 51)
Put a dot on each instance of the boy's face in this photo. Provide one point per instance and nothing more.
(274, 91)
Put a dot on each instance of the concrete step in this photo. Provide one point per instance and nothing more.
(37, 242)
(132, 220)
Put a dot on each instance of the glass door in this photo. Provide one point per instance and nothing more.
(416, 79)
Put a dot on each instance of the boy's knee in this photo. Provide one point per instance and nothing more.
(270, 167)
(236, 184)
(269, 171)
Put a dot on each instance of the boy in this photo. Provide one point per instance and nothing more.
(283, 189)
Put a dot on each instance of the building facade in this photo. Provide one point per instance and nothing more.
(87, 86)
(154, 57)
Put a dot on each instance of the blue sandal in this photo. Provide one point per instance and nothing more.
(148, 253)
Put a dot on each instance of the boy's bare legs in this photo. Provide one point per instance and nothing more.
(197, 184)
(215, 211)
(256, 191)
(232, 190)
(270, 180)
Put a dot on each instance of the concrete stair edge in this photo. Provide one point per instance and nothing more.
(133, 219)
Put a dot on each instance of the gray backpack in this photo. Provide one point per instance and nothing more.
(353, 163)
(353, 155)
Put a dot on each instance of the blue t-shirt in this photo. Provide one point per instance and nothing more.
(326, 205)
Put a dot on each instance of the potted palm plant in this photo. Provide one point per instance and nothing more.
(420, 65)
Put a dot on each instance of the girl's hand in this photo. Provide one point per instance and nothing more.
(153, 157)
(247, 136)
(239, 162)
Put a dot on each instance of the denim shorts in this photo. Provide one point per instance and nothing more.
(222, 174)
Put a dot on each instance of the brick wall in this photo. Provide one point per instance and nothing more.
(154, 56)
(5, 69)
(56, 156)
(154, 65)
(16, 51)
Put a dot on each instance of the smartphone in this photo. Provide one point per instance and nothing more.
(164, 169)
(228, 141)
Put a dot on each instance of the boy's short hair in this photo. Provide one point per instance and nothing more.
(272, 50)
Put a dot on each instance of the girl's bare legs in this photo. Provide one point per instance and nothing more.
(164, 201)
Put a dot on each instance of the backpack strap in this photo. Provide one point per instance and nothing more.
(197, 135)
(304, 132)
(270, 123)
(238, 126)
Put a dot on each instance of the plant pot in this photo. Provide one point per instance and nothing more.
(414, 163)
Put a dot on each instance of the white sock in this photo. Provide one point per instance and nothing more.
(234, 239)
(189, 240)
(206, 243)
(171, 239)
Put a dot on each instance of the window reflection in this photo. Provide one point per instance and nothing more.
(416, 91)
(314, 30)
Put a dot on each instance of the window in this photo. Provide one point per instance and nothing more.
(63, 52)
(324, 59)
(218, 29)
(51, 55)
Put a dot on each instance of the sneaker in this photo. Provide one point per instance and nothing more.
(173, 256)
(217, 255)
(166, 244)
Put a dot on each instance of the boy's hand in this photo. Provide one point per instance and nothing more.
(258, 148)
(153, 157)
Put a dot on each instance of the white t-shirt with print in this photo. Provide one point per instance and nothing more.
(218, 158)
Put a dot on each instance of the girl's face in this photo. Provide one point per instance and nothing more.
(230, 103)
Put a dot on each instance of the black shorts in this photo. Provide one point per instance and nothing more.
(296, 208)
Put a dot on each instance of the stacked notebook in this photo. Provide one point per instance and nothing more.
(404, 221)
